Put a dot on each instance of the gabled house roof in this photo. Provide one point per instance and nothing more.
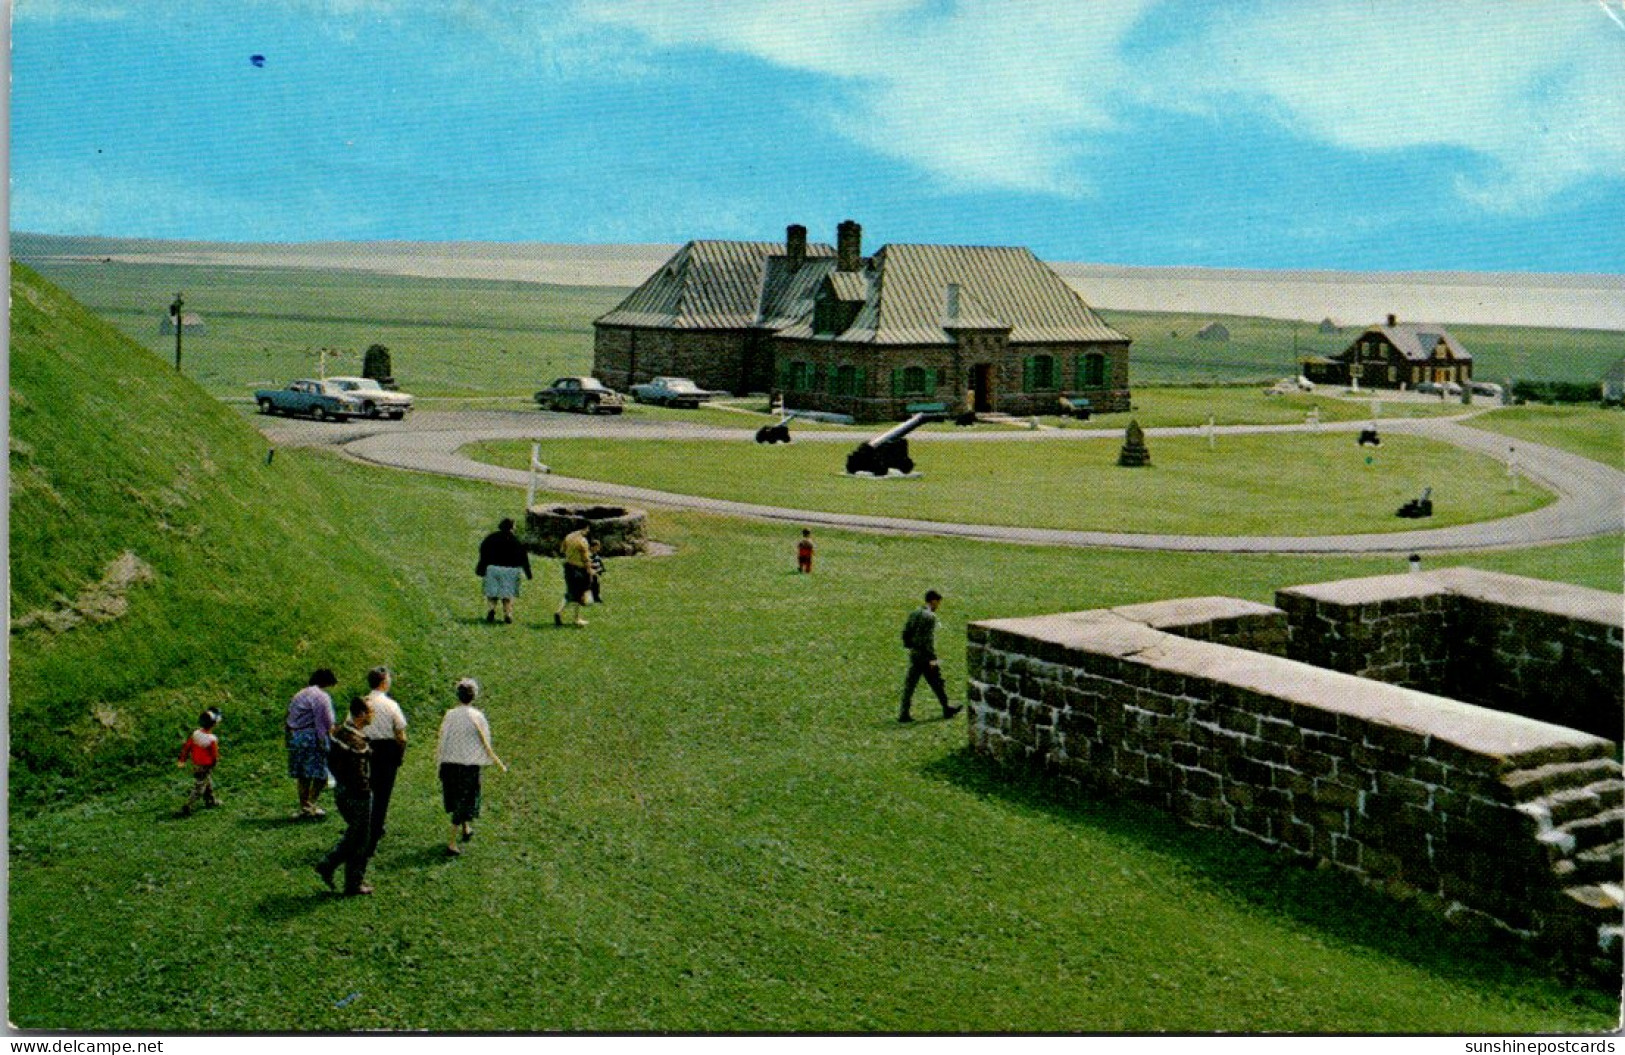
(906, 298)
(1416, 340)
(711, 285)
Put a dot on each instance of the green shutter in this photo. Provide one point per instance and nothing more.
(1027, 374)
(933, 378)
(860, 382)
(1079, 377)
(896, 381)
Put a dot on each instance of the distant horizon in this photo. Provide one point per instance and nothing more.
(1349, 298)
(1261, 135)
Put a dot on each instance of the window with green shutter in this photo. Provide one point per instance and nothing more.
(913, 381)
(1091, 371)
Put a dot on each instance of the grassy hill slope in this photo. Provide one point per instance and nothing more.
(112, 453)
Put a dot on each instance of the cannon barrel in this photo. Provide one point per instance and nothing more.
(897, 432)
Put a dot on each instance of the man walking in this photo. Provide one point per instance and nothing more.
(347, 758)
(386, 741)
(920, 638)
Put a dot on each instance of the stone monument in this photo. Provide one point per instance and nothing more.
(1134, 453)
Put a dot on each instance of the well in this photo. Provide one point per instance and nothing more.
(622, 532)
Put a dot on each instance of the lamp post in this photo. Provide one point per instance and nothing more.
(175, 310)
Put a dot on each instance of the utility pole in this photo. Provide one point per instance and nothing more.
(180, 324)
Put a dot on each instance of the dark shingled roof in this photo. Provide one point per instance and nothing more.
(999, 287)
(713, 285)
(1416, 340)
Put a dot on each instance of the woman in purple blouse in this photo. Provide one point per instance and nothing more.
(310, 719)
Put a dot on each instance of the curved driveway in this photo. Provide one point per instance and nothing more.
(1590, 502)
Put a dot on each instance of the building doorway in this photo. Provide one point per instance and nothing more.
(981, 387)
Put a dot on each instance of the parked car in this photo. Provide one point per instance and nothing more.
(320, 399)
(376, 400)
(1288, 386)
(586, 395)
(1435, 388)
(1487, 388)
(672, 392)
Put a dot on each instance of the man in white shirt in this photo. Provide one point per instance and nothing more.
(386, 735)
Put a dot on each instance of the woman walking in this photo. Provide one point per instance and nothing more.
(464, 749)
(502, 558)
(310, 720)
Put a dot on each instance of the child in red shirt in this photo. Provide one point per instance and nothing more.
(202, 749)
(804, 552)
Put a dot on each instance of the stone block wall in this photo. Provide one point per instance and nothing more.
(1549, 651)
(1473, 811)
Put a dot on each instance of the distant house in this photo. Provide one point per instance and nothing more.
(1613, 383)
(1213, 331)
(1328, 326)
(1395, 355)
(191, 322)
(989, 327)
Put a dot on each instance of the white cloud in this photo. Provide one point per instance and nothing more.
(1536, 92)
(979, 94)
(1524, 100)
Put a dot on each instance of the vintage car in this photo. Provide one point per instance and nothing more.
(376, 400)
(672, 392)
(320, 399)
(586, 395)
(1438, 388)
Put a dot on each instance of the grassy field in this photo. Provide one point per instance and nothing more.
(475, 337)
(1248, 485)
(1592, 431)
(447, 337)
(1166, 348)
(711, 823)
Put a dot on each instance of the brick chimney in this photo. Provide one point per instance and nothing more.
(848, 246)
(795, 244)
(1393, 320)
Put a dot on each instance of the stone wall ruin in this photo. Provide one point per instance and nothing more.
(1207, 708)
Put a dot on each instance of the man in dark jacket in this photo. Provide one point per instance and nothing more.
(502, 558)
(920, 638)
(348, 758)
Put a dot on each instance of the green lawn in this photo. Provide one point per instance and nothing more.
(1592, 431)
(712, 822)
(1304, 484)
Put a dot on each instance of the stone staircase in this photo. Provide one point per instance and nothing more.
(1578, 812)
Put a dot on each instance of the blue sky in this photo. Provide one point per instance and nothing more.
(1368, 135)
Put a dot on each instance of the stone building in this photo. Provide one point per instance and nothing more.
(991, 327)
(1395, 355)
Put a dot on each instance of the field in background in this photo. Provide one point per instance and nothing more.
(463, 336)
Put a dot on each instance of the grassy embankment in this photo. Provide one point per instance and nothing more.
(712, 821)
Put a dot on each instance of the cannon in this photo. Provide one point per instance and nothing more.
(779, 432)
(889, 450)
(1417, 508)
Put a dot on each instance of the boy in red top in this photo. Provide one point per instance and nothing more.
(202, 749)
(804, 552)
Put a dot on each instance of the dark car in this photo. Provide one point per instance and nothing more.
(584, 395)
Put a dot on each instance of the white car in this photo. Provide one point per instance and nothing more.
(376, 400)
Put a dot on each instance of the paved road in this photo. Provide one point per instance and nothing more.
(1591, 496)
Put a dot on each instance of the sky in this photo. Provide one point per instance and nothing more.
(1473, 135)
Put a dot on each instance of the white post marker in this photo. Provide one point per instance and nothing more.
(536, 466)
